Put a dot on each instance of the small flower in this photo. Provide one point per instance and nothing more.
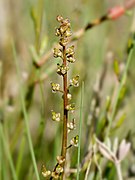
(71, 59)
(74, 81)
(55, 87)
(63, 41)
(68, 32)
(74, 141)
(55, 175)
(45, 172)
(60, 159)
(70, 107)
(70, 51)
(63, 29)
(123, 149)
(55, 116)
(59, 18)
(69, 96)
(57, 53)
(70, 54)
(61, 69)
(59, 169)
(57, 32)
(66, 22)
(71, 125)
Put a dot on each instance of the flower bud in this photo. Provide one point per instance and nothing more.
(57, 32)
(45, 172)
(74, 81)
(70, 107)
(55, 87)
(70, 51)
(71, 125)
(71, 59)
(57, 53)
(69, 96)
(59, 18)
(55, 116)
(61, 69)
(63, 41)
(55, 175)
(68, 32)
(60, 159)
(74, 141)
(59, 169)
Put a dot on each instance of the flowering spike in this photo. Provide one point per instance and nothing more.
(67, 55)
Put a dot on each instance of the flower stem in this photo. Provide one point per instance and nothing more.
(119, 173)
(65, 112)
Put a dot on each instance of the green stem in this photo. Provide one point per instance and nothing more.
(118, 168)
(39, 24)
(20, 156)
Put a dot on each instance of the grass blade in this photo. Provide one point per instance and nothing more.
(6, 147)
(26, 119)
(80, 130)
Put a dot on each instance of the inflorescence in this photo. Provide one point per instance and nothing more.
(66, 54)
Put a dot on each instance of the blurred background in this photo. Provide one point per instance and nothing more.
(30, 26)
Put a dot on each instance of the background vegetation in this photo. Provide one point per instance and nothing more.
(27, 31)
